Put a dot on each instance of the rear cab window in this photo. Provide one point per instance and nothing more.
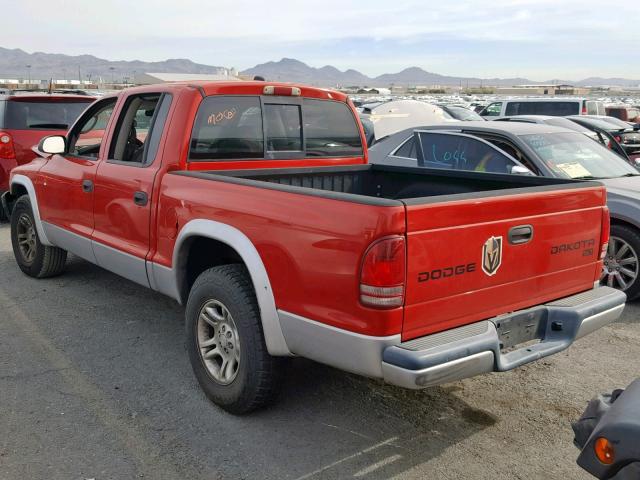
(41, 114)
(254, 128)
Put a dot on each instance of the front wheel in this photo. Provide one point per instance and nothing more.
(622, 264)
(226, 344)
(33, 258)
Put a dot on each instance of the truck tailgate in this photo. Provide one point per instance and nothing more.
(483, 256)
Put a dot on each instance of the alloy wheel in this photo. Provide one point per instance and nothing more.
(26, 234)
(218, 342)
(621, 265)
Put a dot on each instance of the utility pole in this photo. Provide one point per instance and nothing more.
(29, 75)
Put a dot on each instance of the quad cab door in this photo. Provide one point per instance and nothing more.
(124, 186)
(66, 189)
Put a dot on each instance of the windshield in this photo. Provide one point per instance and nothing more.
(573, 155)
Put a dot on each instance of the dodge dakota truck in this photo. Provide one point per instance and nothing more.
(253, 205)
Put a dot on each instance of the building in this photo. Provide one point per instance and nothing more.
(153, 78)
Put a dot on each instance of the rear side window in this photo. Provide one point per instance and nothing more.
(407, 149)
(556, 109)
(139, 129)
(244, 127)
(461, 152)
(41, 115)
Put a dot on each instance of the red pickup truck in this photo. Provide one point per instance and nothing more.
(253, 205)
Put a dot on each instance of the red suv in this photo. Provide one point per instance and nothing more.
(26, 117)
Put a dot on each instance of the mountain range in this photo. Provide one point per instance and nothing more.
(289, 69)
(16, 63)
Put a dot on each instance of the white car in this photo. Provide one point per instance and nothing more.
(556, 107)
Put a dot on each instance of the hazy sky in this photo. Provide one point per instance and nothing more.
(539, 39)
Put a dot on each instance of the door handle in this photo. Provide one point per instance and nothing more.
(520, 235)
(140, 198)
(87, 186)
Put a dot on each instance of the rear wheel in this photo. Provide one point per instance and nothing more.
(622, 264)
(33, 258)
(226, 344)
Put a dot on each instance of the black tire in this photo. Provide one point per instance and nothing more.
(631, 236)
(3, 215)
(258, 375)
(45, 261)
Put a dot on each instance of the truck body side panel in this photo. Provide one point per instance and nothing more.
(311, 247)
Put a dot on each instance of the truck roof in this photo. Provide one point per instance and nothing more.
(253, 87)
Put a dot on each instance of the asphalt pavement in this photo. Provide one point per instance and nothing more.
(95, 383)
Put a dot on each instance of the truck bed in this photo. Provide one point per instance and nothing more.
(447, 219)
(387, 185)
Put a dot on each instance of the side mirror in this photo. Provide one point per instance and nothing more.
(519, 170)
(53, 144)
(636, 127)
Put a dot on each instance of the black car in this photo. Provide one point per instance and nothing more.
(626, 135)
(600, 135)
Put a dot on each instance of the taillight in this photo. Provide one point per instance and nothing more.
(6, 146)
(383, 274)
(618, 139)
(584, 110)
(605, 232)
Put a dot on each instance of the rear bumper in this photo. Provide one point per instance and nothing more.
(458, 353)
(477, 348)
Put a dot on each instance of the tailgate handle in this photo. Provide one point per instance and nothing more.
(520, 235)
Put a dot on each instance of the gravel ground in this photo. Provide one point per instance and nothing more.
(95, 383)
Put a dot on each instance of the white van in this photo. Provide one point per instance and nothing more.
(556, 107)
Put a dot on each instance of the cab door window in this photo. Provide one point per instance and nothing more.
(86, 136)
(139, 129)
